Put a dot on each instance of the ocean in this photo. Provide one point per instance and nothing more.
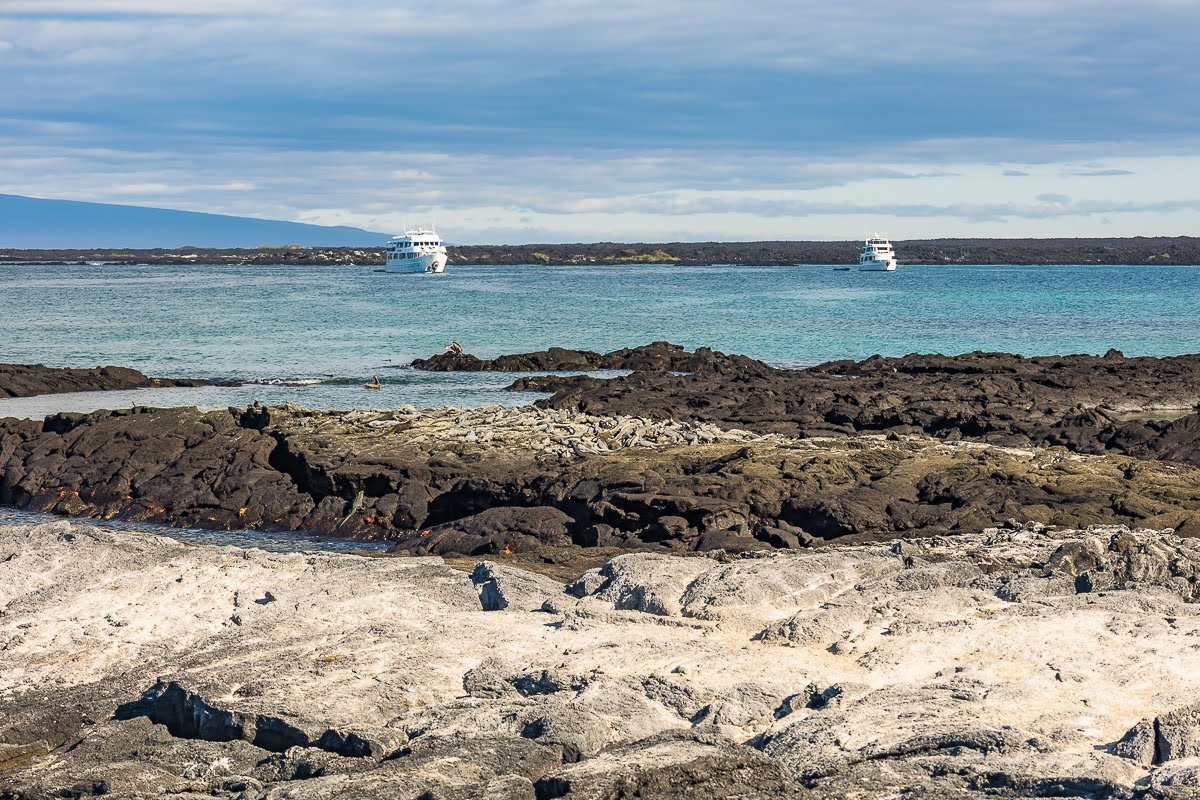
(313, 334)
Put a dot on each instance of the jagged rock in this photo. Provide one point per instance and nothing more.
(548, 681)
(372, 742)
(509, 787)
(1178, 780)
(303, 763)
(588, 583)
(488, 679)
(669, 765)
(653, 584)
(1127, 561)
(501, 587)
(680, 698)
(745, 705)
(475, 760)
(131, 756)
(186, 713)
(1177, 734)
(511, 529)
(1138, 744)
(1086, 403)
(579, 732)
(485, 482)
(657, 356)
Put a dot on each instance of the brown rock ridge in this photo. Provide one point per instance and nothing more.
(497, 480)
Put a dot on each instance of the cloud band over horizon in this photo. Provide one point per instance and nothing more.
(579, 120)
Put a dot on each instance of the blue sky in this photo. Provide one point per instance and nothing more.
(629, 121)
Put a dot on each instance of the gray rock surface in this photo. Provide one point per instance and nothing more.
(138, 666)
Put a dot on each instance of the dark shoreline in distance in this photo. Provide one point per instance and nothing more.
(1164, 250)
(29, 380)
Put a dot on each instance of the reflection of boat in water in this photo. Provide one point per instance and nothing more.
(418, 250)
(877, 256)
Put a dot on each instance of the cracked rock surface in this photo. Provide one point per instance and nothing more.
(1020, 661)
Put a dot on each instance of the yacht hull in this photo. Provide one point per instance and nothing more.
(878, 266)
(434, 263)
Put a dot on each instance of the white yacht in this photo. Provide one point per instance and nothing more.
(877, 256)
(417, 250)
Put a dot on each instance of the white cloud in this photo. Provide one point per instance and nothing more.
(606, 196)
(144, 189)
(143, 7)
(305, 110)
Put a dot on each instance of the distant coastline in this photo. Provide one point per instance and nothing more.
(1162, 250)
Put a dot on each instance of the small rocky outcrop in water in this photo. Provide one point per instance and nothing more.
(993, 664)
(658, 356)
(27, 380)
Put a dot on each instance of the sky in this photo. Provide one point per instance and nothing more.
(519, 121)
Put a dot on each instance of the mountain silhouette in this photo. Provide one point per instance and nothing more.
(30, 223)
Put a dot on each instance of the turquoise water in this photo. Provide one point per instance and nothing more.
(337, 326)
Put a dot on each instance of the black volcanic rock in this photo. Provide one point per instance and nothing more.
(665, 475)
(27, 380)
(452, 483)
(656, 356)
(1143, 407)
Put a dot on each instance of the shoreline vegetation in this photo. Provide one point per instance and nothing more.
(1177, 250)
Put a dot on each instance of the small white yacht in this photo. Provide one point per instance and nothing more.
(417, 250)
(877, 256)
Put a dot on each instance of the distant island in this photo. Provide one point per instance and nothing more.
(41, 230)
(1178, 250)
(31, 222)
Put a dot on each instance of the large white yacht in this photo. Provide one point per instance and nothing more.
(877, 256)
(416, 250)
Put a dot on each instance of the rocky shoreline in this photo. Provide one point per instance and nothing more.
(730, 455)
(930, 576)
(28, 380)
(1016, 662)
(1158, 250)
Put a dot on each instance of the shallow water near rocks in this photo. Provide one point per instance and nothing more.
(275, 542)
(338, 325)
(398, 388)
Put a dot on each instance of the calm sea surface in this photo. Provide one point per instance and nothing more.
(318, 333)
(322, 331)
